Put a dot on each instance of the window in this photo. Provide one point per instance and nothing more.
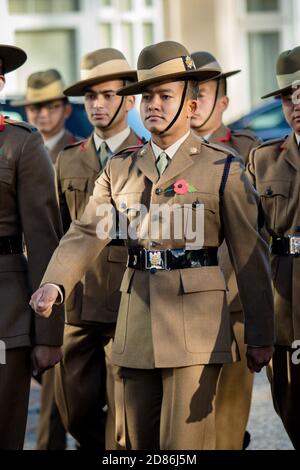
(149, 3)
(105, 35)
(125, 5)
(148, 33)
(42, 6)
(105, 3)
(262, 5)
(127, 41)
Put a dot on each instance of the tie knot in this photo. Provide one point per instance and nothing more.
(162, 162)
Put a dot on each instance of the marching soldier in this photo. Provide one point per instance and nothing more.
(173, 329)
(28, 209)
(91, 310)
(236, 381)
(274, 168)
(47, 108)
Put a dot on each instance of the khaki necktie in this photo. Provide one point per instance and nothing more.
(162, 163)
(103, 153)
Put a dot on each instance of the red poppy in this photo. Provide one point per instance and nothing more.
(181, 187)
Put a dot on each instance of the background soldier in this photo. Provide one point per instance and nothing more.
(91, 309)
(47, 108)
(274, 168)
(28, 208)
(235, 384)
(173, 329)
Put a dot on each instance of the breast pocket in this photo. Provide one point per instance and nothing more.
(75, 191)
(274, 197)
(132, 215)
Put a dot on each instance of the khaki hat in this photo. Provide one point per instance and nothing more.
(205, 60)
(11, 58)
(165, 61)
(100, 66)
(287, 71)
(42, 87)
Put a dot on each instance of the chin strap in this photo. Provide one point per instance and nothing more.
(179, 109)
(116, 113)
(213, 107)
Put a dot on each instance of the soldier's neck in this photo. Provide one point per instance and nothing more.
(203, 131)
(111, 131)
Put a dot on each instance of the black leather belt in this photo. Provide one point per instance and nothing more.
(116, 242)
(11, 245)
(171, 259)
(285, 246)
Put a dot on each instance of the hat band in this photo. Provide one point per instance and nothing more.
(211, 66)
(288, 79)
(167, 68)
(45, 93)
(107, 68)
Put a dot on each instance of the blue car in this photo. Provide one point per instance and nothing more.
(266, 121)
(78, 122)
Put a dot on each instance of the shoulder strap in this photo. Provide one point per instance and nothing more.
(225, 174)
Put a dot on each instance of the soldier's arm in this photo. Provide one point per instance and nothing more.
(64, 210)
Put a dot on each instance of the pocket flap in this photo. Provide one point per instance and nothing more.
(117, 254)
(126, 281)
(202, 279)
(274, 188)
(72, 184)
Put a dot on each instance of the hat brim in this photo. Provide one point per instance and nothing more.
(79, 88)
(199, 75)
(12, 58)
(29, 102)
(229, 74)
(277, 93)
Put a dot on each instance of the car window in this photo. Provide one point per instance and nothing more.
(267, 120)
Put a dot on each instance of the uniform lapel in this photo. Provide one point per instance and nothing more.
(291, 152)
(146, 163)
(131, 140)
(89, 154)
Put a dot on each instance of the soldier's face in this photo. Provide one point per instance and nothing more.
(48, 117)
(160, 104)
(101, 103)
(291, 109)
(205, 105)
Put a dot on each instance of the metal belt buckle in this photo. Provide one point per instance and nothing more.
(155, 260)
(294, 245)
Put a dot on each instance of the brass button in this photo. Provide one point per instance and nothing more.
(70, 187)
(269, 191)
(158, 191)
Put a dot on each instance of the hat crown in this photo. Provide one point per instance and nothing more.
(101, 56)
(288, 62)
(205, 59)
(42, 79)
(162, 52)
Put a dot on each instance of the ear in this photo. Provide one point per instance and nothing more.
(224, 103)
(191, 107)
(68, 110)
(129, 102)
(2, 82)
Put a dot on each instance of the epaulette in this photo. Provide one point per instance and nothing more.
(221, 148)
(74, 144)
(22, 124)
(244, 133)
(128, 150)
(272, 142)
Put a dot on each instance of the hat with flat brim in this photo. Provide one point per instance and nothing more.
(205, 60)
(287, 72)
(100, 66)
(11, 58)
(164, 62)
(42, 87)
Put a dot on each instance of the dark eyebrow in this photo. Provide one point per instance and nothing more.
(89, 90)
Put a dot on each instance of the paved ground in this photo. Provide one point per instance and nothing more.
(265, 427)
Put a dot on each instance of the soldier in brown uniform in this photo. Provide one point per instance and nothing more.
(173, 329)
(235, 384)
(91, 310)
(28, 208)
(47, 108)
(274, 168)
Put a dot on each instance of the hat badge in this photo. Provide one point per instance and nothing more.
(188, 62)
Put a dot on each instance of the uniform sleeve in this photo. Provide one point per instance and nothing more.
(249, 255)
(63, 206)
(82, 243)
(41, 226)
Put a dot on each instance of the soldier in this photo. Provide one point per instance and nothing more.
(28, 208)
(47, 108)
(235, 384)
(274, 168)
(91, 310)
(173, 329)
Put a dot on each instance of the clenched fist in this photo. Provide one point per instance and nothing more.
(258, 357)
(43, 299)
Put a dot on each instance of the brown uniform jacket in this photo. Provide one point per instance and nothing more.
(28, 207)
(96, 297)
(64, 141)
(179, 317)
(242, 142)
(274, 168)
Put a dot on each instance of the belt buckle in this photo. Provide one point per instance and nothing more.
(155, 260)
(294, 245)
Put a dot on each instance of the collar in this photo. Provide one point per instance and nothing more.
(50, 143)
(113, 142)
(297, 136)
(170, 151)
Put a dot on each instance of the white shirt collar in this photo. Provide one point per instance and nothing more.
(50, 143)
(113, 142)
(170, 151)
(297, 138)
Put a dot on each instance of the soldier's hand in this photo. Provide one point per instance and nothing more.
(44, 357)
(42, 300)
(258, 357)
